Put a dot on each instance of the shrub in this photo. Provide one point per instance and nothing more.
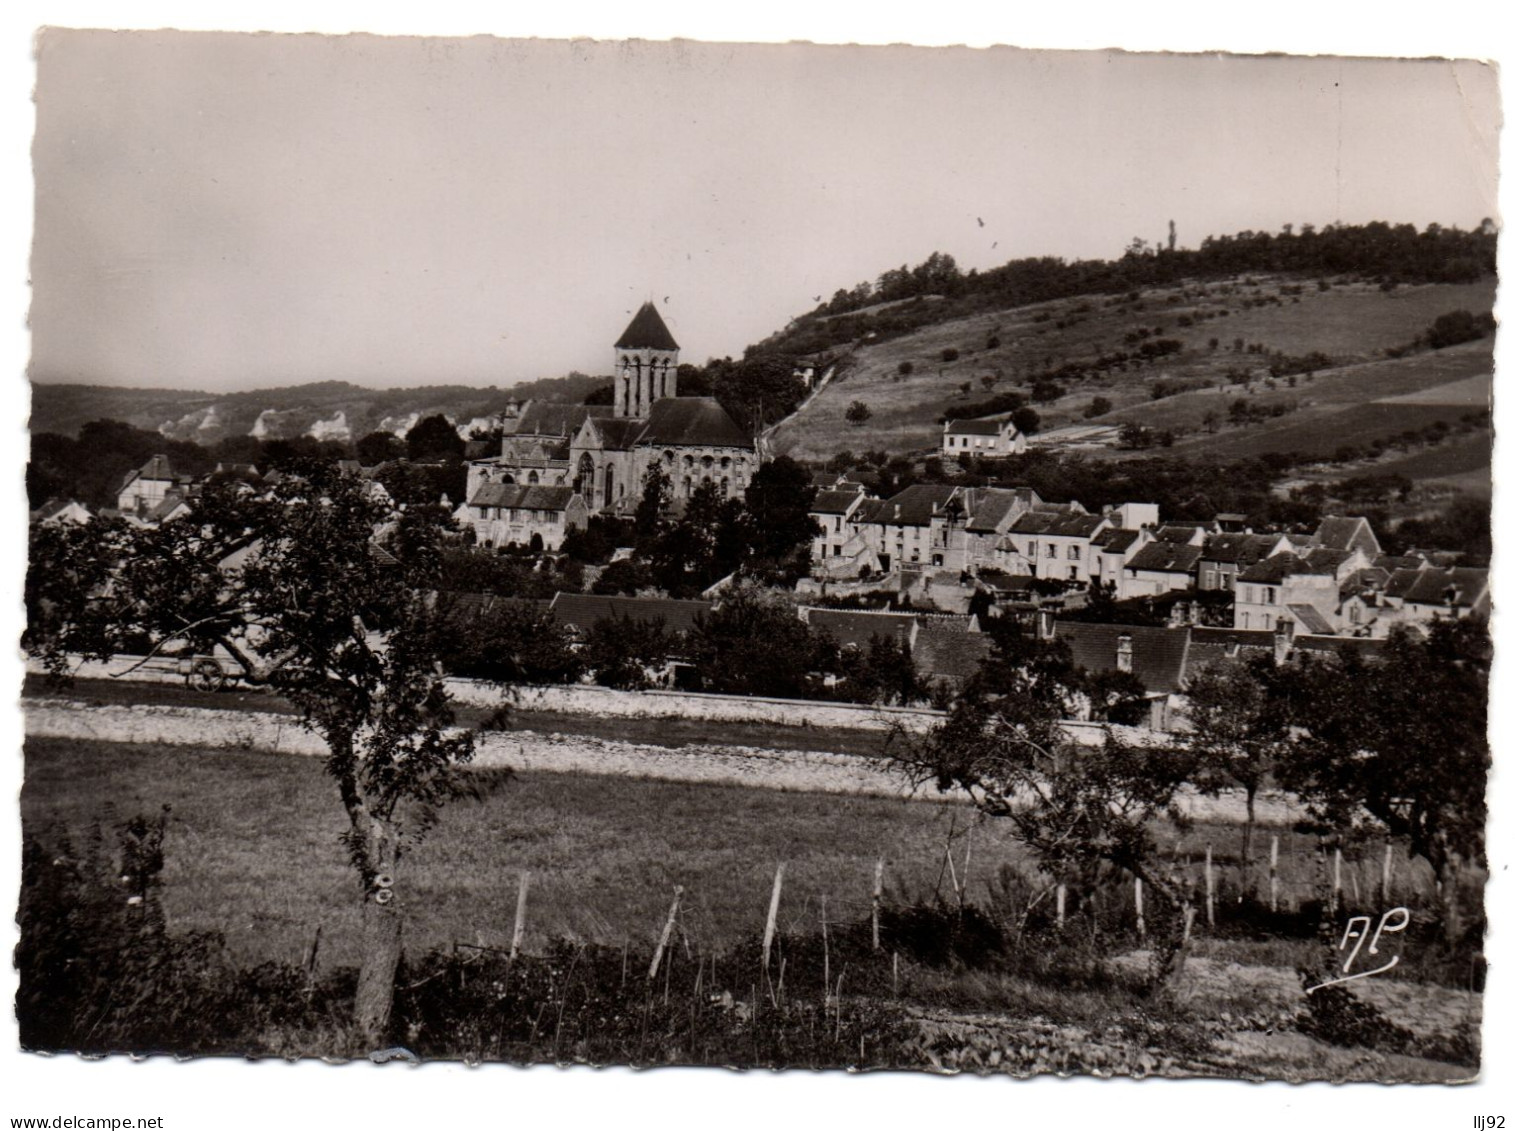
(949, 354)
(906, 368)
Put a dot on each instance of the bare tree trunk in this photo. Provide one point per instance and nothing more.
(376, 976)
(381, 938)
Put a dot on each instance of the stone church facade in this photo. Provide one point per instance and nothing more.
(604, 452)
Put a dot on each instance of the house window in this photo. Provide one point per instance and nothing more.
(1269, 597)
(1245, 618)
(1030, 549)
(1267, 621)
(1073, 553)
(1051, 549)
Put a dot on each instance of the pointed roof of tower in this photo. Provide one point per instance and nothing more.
(647, 331)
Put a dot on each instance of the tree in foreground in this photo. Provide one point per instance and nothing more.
(1400, 744)
(292, 588)
(1240, 732)
(1080, 810)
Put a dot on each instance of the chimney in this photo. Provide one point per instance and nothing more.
(1123, 652)
(1283, 640)
(1046, 624)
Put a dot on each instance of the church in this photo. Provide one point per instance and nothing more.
(604, 452)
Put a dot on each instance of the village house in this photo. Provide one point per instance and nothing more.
(1113, 548)
(1228, 554)
(54, 512)
(831, 509)
(984, 438)
(991, 511)
(1169, 561)
(142, 490)
(513, 514)
(1287, 587)
(1053, 545)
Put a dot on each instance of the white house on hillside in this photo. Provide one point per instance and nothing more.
(988, 438)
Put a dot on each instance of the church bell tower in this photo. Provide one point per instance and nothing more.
(646, 364)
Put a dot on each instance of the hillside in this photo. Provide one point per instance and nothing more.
(1227, 333)
(328, 410)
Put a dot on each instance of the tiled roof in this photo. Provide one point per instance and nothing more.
(1165, 557)
(618, 433)
(1058, 525)
(465, 607)
(1339, 533)
(647, 330)
(950, 652)
(1311, 619)
(54, 507)
(1157, 654)
(990, 506)
(1226, 637)
(157, 468)
(1116, 541)
(1179, 533)
(857, 627)
(833, 501)
(165, 507)
(1324, 559)
(914, 506)
(548, 418)
(1401, 581)
(1279, 566)
(522, 496)
(1460, 587)
(583, 611)
(1368, 649)
(692, 421)
(1242, 549)
(977, 427)
(1001, 582)
(870, 510)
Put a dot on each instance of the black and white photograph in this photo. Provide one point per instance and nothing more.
(890, 559)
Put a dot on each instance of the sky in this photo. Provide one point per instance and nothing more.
(231, 211)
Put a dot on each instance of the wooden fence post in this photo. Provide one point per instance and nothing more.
(520, 925)
(673, 914)
(1062, 904)
(1141, 921)
(773, 914)
(825, 947)
(1273, 875)
(878, 897)
(1209, 887)
(1388, 870)
(1336, 881)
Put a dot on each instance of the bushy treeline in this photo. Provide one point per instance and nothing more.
(1389, 253)
(752, 643)
(91, 467)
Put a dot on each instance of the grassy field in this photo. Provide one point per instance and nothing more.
(253, 850)
(1352, 323)
(252, 853)
(1321, 430)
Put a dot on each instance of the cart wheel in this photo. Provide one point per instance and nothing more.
(206, 675)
